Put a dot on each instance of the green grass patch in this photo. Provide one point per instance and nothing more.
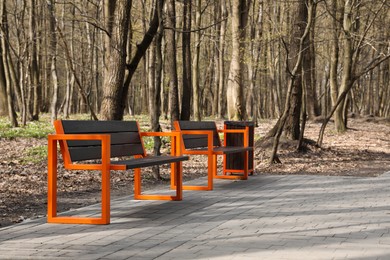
(34, 129)
(257, 137)
(35, 154)
(149, 143)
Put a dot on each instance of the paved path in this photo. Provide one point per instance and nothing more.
(266, 217)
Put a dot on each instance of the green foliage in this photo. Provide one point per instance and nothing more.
(35, 129)
(149, 143)
(35, 154)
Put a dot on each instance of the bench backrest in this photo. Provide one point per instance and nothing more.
(197, 141)
(125, 138)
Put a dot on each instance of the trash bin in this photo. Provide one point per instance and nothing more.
(234, 162)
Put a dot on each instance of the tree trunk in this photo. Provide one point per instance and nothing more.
(221, 81)
(334, 92)
(187, 80)
(3, 88)
(310, 80)
(35, 81)
(155, 69)
(69, 75)
(171, 61)
(6, 65)
(53, 54)
(216, 97)
(195, 67)
(140, 52)
(296, 70)
(292, 128)
(256, 35)
(117, 14)
(235, 87)
(347, 65)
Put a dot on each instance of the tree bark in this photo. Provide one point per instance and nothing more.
(187, 79)
(35, 81)
(117, 14)
(222, 47)
(53, 54)
(140, 52)
(235, 87)
(340, 122)
(171, 61)
(3, 88)
(7, 65)
(310, 78)
(195, 67)
(292, 127)
(296, 70)
(155, 71)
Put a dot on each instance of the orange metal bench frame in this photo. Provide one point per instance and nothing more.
(212, 154)
(105, 167)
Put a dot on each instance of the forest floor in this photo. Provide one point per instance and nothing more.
(363, 151)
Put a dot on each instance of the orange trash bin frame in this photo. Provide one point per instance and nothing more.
(225, 168)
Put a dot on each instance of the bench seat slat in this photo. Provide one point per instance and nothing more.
(226, 150)
(232, 149)
(150, 161)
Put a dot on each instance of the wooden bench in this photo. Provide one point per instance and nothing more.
(81, 141)
(202, 138)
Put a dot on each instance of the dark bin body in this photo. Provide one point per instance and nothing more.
(234, 162)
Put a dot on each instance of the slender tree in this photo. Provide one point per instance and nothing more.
(155, 71)
(7, 64)
(53, 54)
(293, 76)
(3, 88)
(221, 58)
(187, 79)
(35, 81)
(139, 53)
(235, 87)
(171, 62)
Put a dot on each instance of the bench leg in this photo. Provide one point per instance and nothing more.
(52, 194)
(211, 171)
(176, 183)
(246, 165)
(243, 173)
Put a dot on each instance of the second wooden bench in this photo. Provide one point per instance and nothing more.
(202, 138)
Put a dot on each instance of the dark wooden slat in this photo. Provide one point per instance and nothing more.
(195, 125)
(233, 149)
(82, 126)
(202, 126)
(235, 161)
(195, 143)
(94, 152)
(116, 138)
(150, 161)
